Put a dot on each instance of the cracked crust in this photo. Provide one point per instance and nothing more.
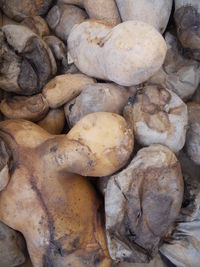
(178, 73)
(141, 204)
(182, 246)
(158, 115)
(27, 63)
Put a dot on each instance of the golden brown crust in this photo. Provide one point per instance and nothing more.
(32, 108)
(53, 122)
(58, 212)
(61, 222)
(64, 88)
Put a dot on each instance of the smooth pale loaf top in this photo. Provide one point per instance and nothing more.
(128, 54)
